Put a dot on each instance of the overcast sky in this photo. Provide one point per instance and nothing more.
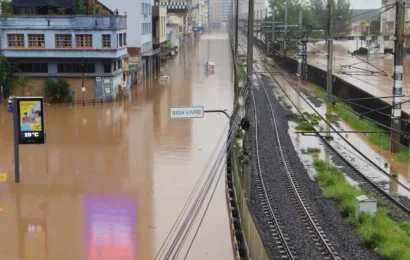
(365, 4)
(360, 4)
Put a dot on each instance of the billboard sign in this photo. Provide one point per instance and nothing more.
(31, 125)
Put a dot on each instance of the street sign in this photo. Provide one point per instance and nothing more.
(83, 89)
(186, 112)
(72, 93)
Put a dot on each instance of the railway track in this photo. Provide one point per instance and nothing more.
(374, 187)
(401, 210)
(282, 240)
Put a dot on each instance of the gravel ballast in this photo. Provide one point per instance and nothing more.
(340, 233)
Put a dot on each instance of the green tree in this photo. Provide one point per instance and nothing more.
(56, 91)
(309, 17)
(319, 7)
(80, 7)
(7, 80)
(341, 14)
(375, 27)
(7, 8)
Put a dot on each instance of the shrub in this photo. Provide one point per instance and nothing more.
(56, 91)
(313, 150)
(239, 134)
(304, 125)
(391, 241)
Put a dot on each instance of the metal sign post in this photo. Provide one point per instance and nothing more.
(16, 129)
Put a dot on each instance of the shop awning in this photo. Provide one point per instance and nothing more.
(151, 52)
(165, 51)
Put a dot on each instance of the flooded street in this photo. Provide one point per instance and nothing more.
(113, 178)
(360, 72)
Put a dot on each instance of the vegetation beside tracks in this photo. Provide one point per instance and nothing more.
(380, 232)
(381, 140)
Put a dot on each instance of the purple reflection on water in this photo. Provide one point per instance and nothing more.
(110, 227)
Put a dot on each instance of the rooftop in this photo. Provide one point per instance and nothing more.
(55, 8)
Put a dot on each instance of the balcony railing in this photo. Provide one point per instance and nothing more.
(64, 22)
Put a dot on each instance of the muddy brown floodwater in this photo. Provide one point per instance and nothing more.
(113, 178)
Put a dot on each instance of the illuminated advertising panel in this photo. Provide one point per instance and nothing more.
(31, 126)
(110, 227)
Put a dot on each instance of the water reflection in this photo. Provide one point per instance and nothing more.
(109, 227)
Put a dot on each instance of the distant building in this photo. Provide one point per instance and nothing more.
(361, 19)
(225, 11)
(181, 11)
(140, 42)
(203, 13)
(58, 42)
(175, 30)
(244, 6)
(159, 22)
(388, 23)
(215, 13)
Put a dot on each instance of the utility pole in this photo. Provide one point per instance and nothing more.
(300, 45)
(236, 84)
(250, 41)
(397, 76)
(286, 27)
(266, 19)
(329, 55)
(273, 27)
(368, 41)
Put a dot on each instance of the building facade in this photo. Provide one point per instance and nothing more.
(159, 22)
(388, 23)
(215, 13)
(203, 13)
(225, 11)
(85, 50)
(140, 42)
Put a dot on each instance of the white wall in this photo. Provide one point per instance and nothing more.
(134, 19)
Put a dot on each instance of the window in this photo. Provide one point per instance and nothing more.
(34, 67)
(115, 66)
(36, 41)
(75, 68)
(84, 41)
(125, 39)
(119, 64)
(107, 67)
(63, 40)
(15, 40)
(106, 41)
(120, 42)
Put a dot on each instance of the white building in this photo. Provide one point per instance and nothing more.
(139, 29)
(225, 11)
